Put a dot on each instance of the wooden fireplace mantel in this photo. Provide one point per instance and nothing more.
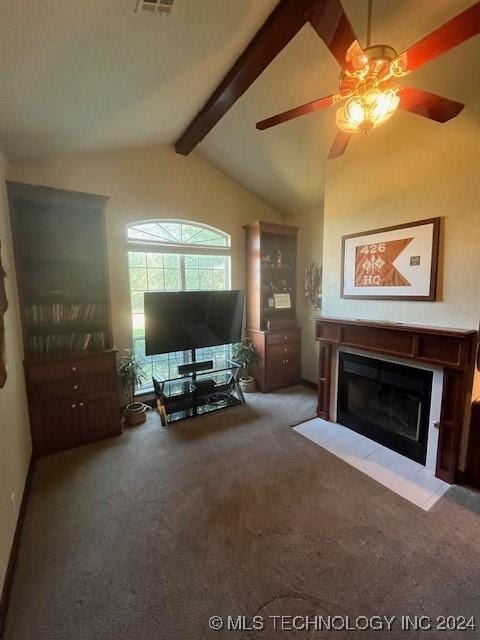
(452, 349)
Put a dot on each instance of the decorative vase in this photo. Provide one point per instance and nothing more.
(247, 384)
(136, 414)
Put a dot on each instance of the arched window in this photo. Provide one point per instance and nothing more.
(177, 233)
(174, 255)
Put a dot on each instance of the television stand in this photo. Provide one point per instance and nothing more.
(201, 390)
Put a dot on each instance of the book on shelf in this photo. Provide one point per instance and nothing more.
(67, 342)
(61, 313)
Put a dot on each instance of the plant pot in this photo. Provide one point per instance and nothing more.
(135, 414)
(247, 385)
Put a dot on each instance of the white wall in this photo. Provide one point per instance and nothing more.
(151, 182)
(15, 447)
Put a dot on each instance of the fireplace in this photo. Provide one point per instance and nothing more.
(452, 351)
(387, 402)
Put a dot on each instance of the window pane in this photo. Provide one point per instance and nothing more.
(137, 301)
(155, 260)
(136, 259)
(219, 280)
(171, 261)
(139, 348)
(192, 280)
(155, 279)
(219, 262)
(170, 232)
(205, 261)
(138, 325)
(172, 280)
(138, 279)
(206, 279)
(191, 262)
(161, 370)
(189, 233)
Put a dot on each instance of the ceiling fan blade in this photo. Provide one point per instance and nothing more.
(339, 145)
(449, 35)
(428, 105)
(333, 26)
(315, 105)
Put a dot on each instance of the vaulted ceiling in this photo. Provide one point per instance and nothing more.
(94, 75)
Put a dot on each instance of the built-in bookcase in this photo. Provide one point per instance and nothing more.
(70, 363)
(59, 243)
(271, 269)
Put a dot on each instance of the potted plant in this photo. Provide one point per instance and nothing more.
(130, 374)
(245, 354)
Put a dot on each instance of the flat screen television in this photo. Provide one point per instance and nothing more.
(182, 320)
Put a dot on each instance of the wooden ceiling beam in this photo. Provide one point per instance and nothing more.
(281, 26)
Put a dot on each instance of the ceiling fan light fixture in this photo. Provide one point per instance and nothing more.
(366, 111)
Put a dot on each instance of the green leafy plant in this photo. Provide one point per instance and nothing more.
(130, 375)
(246, 355)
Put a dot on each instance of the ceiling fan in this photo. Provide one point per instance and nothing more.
(368, 76)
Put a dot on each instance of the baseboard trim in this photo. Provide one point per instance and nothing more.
(309, 384)
(12, 561)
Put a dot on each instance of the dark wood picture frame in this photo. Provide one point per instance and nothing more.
(436, 222)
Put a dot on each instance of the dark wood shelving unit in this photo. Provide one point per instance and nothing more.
(271, 268)
(62, 277)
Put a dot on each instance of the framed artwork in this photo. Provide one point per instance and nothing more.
(3, 308)
(393, 263)
(282, 301)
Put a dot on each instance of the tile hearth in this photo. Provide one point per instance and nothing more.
(407, 478)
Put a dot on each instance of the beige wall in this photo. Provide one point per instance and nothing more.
(152, 182)
(15, 445)
(411, 170)
(416, 169)
(310, 248)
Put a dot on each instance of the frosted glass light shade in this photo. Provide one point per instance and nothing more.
(367, 111)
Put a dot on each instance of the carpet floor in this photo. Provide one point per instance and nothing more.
(147, 536)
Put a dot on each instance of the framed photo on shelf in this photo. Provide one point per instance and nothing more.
(393, 263)
(282, 301)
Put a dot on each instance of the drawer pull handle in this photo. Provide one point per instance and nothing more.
(286, 349)
(81, 404)
(285, 337)
(74, 368)
(286, 361)
(75, 387)
(74, 406)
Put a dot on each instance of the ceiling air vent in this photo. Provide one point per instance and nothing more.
(155, 6)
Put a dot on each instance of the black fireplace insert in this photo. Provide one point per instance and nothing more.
(386, 402)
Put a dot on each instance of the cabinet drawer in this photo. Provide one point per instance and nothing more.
(71, 387)
(283, 336)
(49, 371)
(283, 349)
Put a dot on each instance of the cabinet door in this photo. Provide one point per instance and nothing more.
(275, 372)
(100, 416)
(55, 425)
(291, 370)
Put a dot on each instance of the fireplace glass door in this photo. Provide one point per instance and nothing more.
(386, 402)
